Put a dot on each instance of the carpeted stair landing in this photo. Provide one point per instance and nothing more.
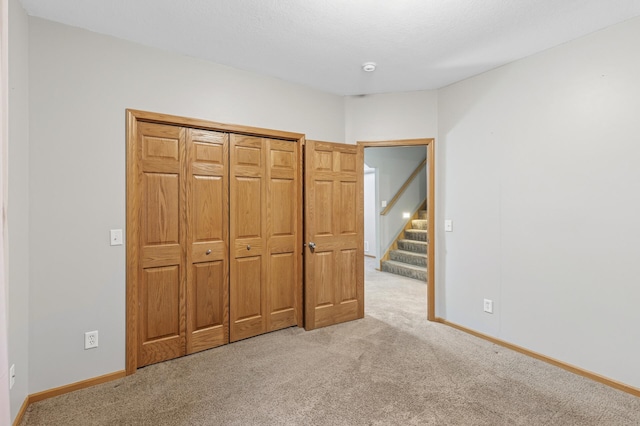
(410, 259)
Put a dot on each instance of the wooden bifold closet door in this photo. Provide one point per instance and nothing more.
(218, 253)
(265, 247)
(207, 227)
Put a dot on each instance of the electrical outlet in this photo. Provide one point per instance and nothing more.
(488, 306)
(91, 339)
(12, 376)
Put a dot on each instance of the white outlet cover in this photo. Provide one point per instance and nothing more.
(91, 339)
(488, 306)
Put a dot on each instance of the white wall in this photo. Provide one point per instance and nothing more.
(80, 85)
(391, 116)
(394, 166)
(538, 167)
(370, 213)
(18, 203)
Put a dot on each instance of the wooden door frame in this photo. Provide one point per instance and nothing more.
(133, 207)
(429, 143)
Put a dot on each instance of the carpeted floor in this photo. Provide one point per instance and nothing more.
(390, 368)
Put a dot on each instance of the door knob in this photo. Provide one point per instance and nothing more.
(208, 252)
(312, 246)
(248, 246)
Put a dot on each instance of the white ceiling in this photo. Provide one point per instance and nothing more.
(417, 44)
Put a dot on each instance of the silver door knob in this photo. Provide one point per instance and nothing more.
(208, 251)
(312, 246)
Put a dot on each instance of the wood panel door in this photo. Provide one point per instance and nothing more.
(265, 216)
(334, 257)
(248, 228)
(284, 231)
(208, 241)
(160, 192)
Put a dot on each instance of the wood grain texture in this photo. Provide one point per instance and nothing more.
(334, 199)
(61, 390)
(207, 257)
(266, 282)
(161, 271)
(132, 240)
(283, 236)
(22, 410)
(248, 228)
(179, 222)
(154, 117)
(431, 232)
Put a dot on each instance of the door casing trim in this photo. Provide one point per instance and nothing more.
(429, 143)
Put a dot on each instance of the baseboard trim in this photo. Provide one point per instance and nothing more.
(23, 409)
(35, 397)
(571, 368)
(370, 255)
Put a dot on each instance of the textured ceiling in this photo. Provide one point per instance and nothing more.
(417, 44)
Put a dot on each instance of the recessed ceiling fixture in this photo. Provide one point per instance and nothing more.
(369, 66)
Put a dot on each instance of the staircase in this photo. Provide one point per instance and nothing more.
(410, 258)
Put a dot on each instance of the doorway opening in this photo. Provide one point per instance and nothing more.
(402, 205)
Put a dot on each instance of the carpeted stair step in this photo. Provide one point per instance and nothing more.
(409, 257)
(415, 234)
(422, 214)
(419, 223)
(399, 268)
(412, 245)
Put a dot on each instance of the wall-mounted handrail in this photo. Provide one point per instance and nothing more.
(403, 188)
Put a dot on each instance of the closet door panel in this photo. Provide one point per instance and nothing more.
(282, 297)
(214, 236)
(247, 301)
(283, 241)
(207, 278)
(248, 272)
(247, 207)
(160, 186)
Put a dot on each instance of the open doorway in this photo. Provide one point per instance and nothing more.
(416, 192)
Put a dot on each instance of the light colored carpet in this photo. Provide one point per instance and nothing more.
(390, 368)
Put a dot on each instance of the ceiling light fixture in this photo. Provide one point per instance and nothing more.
(369, 66)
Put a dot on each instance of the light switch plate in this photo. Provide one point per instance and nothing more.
(12, 376)
(448, 225)
(116, 237)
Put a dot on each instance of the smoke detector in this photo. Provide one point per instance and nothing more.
(369, 66)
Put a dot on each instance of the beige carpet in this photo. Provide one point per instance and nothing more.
(391, 368)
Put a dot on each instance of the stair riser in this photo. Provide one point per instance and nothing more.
(410, 259)
(411, 234)
(398, 270)
(422, 214)
(419, 224)
(410, 246)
